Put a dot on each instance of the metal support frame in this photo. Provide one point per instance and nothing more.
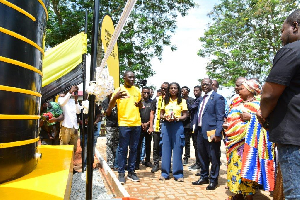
(90, 139)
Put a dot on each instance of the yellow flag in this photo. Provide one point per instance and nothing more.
(107, 30)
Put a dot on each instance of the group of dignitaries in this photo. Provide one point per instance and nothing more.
(172, 118)
(259, 127)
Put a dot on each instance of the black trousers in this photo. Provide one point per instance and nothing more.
(156, 147)
(188, 135)
(148, 138)
(209, 152)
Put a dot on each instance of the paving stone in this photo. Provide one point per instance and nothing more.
(150, 187)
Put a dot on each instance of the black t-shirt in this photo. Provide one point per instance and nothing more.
(145, 111)
(284, 120)
(112, 120)
(153, 105)
(187, 122)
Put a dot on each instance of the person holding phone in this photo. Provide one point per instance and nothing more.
(69, 126)
(173, 111)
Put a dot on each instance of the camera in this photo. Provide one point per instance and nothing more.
(142, 83)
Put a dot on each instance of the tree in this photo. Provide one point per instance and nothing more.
(243, 37)
(149, 28)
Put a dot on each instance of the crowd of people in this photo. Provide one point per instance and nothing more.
(258, 126)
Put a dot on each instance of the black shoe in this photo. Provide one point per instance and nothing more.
(148, 164)
(155, 168)
(137, 167)
(194, 167)
(212, 186)
(132, 176)
(201, 181)
(122, 178)
(198, 174)
(185, 161)
(143, 162)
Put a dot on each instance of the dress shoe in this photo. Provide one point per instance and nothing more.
(211, 186)
(148, 164)
(201, 181)
(155, 168)
(185, 161)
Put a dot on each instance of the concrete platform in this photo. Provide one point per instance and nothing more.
(51, 180)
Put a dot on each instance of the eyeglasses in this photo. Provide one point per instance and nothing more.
(146, 92)
(163, 88)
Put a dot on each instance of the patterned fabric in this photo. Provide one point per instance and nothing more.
(112, 142)
(55, 109)
(157, 114)
(250, 140)
(258, 158)
(235, 182)
(235, 101)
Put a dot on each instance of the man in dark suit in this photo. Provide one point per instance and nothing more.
(209, 120)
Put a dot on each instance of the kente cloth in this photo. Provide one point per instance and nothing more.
(235, 101)
(258, 153)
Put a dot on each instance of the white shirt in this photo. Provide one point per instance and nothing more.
(70, 109)
(205, 102)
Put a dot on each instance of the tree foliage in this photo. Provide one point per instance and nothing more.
(243, 38)
(149, 27)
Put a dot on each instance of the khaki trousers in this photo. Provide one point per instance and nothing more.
(68, 136)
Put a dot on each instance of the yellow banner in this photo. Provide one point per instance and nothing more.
(63, 58)
(107, 30)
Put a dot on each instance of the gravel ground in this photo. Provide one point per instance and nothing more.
(79, 187)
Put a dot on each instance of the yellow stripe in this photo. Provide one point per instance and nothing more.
(21, 64)
(20, 90)
(18, 143)
(2, 116)
(20, 37)
(42, 3)
(13, 6)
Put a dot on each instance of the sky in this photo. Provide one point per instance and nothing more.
(184, 66)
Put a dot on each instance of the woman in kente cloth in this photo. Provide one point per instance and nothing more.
(250, 155)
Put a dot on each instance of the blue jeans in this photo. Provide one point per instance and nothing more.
(128, 136)
(172, 140)
(143, 153)
(289, 159)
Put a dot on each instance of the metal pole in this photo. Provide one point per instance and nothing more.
(84, 98)
(90, 140)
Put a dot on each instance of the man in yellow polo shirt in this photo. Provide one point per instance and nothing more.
(128, 99)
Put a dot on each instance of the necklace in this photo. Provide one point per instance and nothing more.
(249, 100)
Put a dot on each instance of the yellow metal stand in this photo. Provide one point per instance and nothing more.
(51, 180)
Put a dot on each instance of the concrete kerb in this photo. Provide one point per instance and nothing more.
(112, 181)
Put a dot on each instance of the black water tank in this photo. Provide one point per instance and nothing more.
(22, 27)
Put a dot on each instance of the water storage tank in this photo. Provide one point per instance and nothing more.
(22, 26)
